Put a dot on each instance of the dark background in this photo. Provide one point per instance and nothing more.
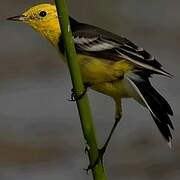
(40, 134)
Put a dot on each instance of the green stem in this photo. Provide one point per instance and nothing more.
(82, 104)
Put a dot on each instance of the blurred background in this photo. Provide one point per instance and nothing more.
(40, 133)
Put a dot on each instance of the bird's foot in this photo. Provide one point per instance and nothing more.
(75, 97)
(86, 150)
(99, 159)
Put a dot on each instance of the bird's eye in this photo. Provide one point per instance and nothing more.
(43, 13)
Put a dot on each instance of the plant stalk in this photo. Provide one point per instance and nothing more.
(83, 104)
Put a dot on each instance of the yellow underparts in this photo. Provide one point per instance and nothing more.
(104, 75)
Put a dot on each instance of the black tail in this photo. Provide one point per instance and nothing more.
(157, 105)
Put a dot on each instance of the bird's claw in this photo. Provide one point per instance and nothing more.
(86, 150)
(88, 169)
(99, 159)
(75, 97)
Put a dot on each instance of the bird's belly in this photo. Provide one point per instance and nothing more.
(105, 76)
(114, 89)
(95, 70)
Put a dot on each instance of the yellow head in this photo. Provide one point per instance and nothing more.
(44, 19)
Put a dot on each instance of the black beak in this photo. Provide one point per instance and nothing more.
(17, 18)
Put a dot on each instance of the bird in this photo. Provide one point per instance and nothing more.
(110, 64)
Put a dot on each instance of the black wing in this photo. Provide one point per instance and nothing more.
(94, 41)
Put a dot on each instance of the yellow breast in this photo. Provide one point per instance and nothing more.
(97, 70)
(105, 76)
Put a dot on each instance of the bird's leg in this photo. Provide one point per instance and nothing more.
(75, 97)
(102, 151)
